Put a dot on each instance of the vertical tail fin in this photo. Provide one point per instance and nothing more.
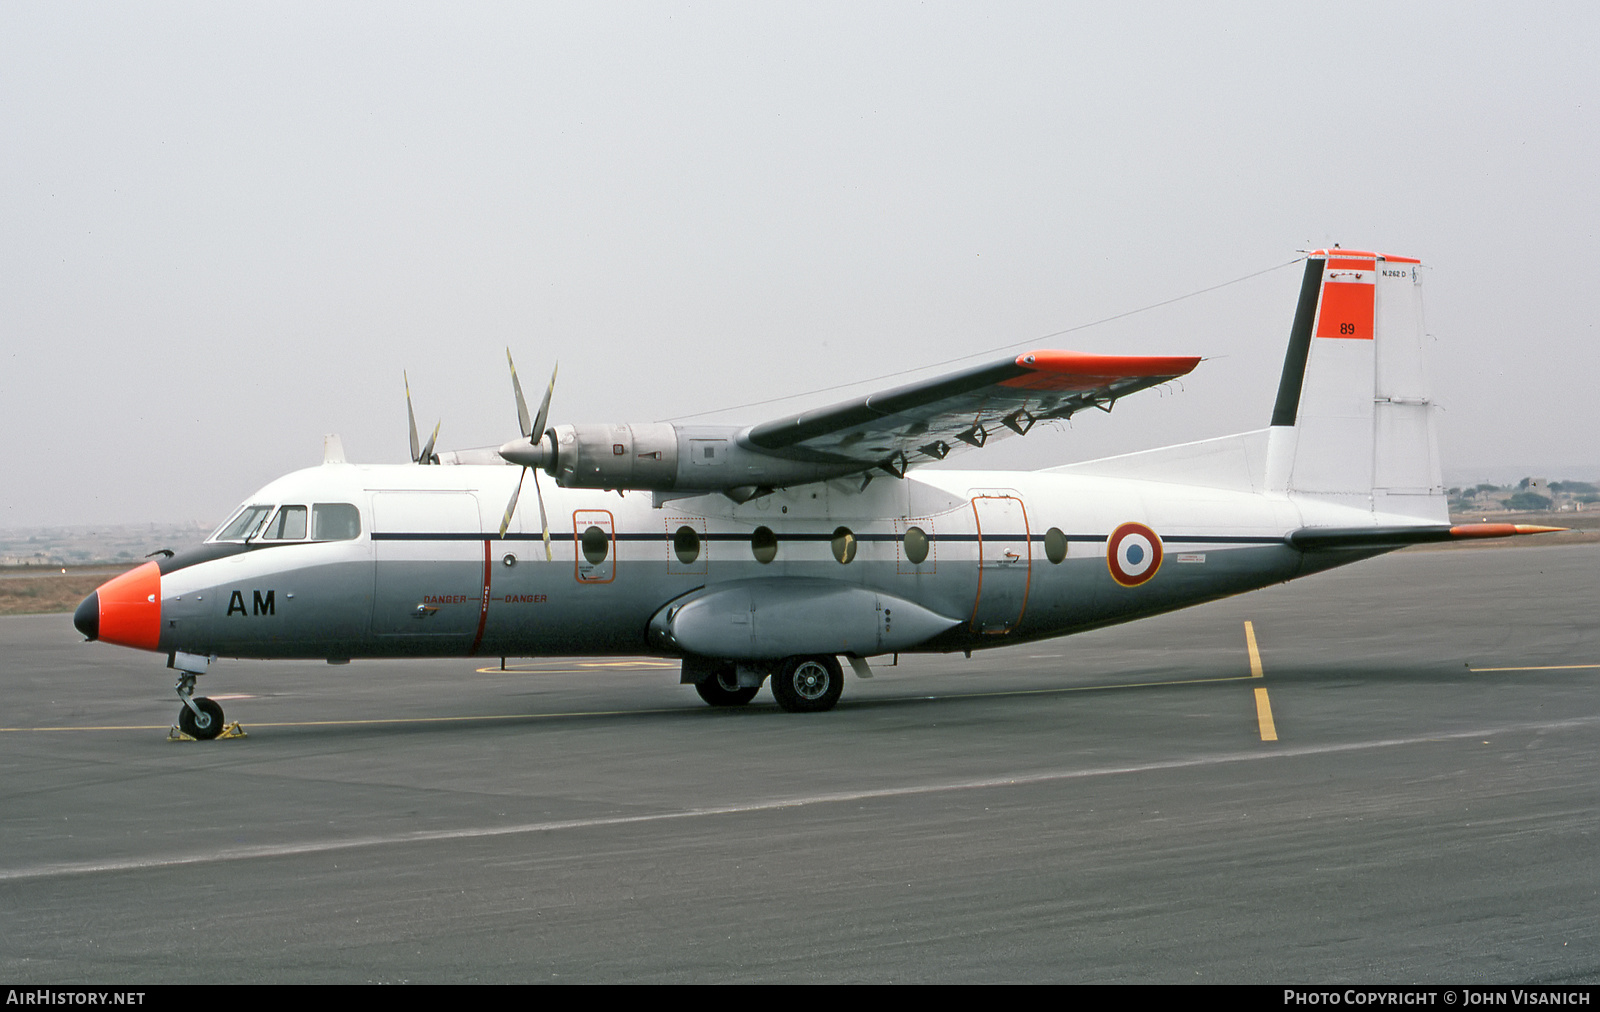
(1353, 422)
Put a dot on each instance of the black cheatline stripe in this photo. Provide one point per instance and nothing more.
(1223, 539)
(210, 551)
(1287, 409)
(734, 536)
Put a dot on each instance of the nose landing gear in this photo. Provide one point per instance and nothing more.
(199, 718)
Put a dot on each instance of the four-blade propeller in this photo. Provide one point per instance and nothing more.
(530, 451)
(532, 454)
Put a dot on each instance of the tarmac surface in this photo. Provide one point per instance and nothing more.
(1101, 808)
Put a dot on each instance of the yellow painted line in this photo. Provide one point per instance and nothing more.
(1070, 688)
(692, 708)
(630, 665)
(1542, 667)
(105, 727)
(375, 720)
(1269, 730)
(458, 720)
(582, 666)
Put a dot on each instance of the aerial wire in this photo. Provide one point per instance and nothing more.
(991, 351)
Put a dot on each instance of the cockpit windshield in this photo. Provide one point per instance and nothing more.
(243, 525)
(329, 521)
(288, 525)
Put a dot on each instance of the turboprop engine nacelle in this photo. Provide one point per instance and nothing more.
(661, 457)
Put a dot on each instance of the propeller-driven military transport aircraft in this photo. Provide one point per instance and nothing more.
(770, 551)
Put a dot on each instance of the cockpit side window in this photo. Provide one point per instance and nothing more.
(335, 521)
(244, 524)
(288, 525)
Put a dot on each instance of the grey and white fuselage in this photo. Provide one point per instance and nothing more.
(429, 574)
(778, 548)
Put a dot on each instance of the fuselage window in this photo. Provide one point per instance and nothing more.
(763, 545)
(335, 521)
(844, 545)
(595, 545)
(288, 525)
(1055, 545)
(244, 525)
(686, 544)
(916, 543)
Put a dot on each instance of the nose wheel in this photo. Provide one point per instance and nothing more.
(200, 718)
(203, 725)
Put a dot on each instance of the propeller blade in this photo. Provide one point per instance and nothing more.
(544, 522)
(412, 418)
(522, 404)
(427, 451)
(544, 406)
(511, 507)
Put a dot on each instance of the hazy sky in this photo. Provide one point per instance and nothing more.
(227, 228)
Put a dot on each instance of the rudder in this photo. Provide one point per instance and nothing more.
(1353, 420)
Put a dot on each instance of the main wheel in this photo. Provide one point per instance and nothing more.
(808, 684)
(204, 727)
(722, 688)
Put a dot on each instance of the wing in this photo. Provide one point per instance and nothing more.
(910, 425)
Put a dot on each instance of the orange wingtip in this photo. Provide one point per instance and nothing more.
(1500, 530)
(1077, 363)
(1388, 257)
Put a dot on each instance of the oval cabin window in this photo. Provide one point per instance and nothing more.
(844, 545)
(1055, 545)
(764, 545)
(686, 544)
(916, 545)
(595, 545)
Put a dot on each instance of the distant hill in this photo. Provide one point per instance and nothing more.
(82, 546)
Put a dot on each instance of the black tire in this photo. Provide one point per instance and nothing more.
(808, 684)
(205, 727)
(722, 688)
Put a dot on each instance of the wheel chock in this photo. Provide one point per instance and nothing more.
(232, 730)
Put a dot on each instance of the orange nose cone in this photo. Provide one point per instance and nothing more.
(130, 608)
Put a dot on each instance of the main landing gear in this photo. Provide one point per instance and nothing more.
(722, 688)
(808, 684)
(803, 684)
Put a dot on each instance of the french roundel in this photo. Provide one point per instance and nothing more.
(1133, 554)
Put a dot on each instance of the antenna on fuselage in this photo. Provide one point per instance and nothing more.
(332, 449)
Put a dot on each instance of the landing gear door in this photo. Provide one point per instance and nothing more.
(595, 548)
(1005, 558)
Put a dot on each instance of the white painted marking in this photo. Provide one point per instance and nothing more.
(65, 868)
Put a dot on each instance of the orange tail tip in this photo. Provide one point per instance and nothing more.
(1500, 530)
